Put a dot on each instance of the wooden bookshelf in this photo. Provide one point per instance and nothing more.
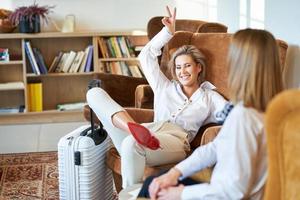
(58, 88)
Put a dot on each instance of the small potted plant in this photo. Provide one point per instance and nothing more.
(28, 17)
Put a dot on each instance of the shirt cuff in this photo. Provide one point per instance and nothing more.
(161, 38)
(197, 191)
(182, 168)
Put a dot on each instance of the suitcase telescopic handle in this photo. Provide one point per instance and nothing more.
(94, 83)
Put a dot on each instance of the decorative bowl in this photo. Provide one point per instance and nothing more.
(6, 26)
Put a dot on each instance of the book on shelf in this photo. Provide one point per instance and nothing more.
(117, 66)
(71, 106)
(55, 62)
(17, 85)
(40, 61)
(125, 69)
(31, 58)
(115, 46)
(135, 71)
(10, 110)
(89, 60)
(138, 48)
(130, 47)
(111, 51)
(102, 47)
(84, 60)
(77, 61)
(69, 60)
(123, 47)
(4, 55)
(62, 62)
(35, 97)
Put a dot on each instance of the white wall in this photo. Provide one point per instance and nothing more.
(34, 137)
(228, 14)
(282, 18)
(103, 15)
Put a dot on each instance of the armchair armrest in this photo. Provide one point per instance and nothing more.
(141, 115)
(208, 136)
(144, 96)
(138, 114)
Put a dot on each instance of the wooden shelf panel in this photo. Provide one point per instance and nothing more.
(74, 34)
(31, 75)
(117, 59)
(50, 116)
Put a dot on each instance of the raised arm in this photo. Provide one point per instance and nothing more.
(149, 54)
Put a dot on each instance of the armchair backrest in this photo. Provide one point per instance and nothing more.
(196, 26)
(215, 46)
(154, 26)
(282, 124)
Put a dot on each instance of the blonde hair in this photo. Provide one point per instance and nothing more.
(195, 54)
(255, 73)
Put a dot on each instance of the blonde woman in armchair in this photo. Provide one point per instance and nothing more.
(181, 107)
(239, 151)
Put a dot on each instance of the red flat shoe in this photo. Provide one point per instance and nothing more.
(143, 136)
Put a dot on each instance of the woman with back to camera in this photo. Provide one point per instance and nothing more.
(239, 151)
(181, 107)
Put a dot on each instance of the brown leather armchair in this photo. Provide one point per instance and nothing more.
(215, 47)
(283, 138)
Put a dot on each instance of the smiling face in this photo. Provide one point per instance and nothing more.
(187, 71)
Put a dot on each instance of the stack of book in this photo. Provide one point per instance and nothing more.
(7, 110)
(115, 47)
(123, 68)
(35, 97)
(73, 62)
(4, 55)
(71, 106)
(36, 59)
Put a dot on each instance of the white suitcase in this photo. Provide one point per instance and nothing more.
(83, 173)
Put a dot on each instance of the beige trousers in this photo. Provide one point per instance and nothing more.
(134, 157)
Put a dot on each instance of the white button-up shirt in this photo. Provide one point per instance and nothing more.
(240, 158)
(170, 103)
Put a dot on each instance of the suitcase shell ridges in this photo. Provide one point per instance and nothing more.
(91, 179)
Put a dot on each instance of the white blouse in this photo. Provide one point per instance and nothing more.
(240, 158)
(170, 103)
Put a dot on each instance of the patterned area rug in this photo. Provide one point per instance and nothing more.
(29, 176)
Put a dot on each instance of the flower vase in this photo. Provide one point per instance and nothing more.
(26, 27)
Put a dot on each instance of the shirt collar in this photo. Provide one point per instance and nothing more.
(207, 85)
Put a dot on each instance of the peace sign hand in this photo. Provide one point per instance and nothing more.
(169, 21)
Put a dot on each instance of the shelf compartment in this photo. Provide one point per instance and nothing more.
(14, 47)
(11, 98)
(58, 90)
(50, 47)
(11, 73)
